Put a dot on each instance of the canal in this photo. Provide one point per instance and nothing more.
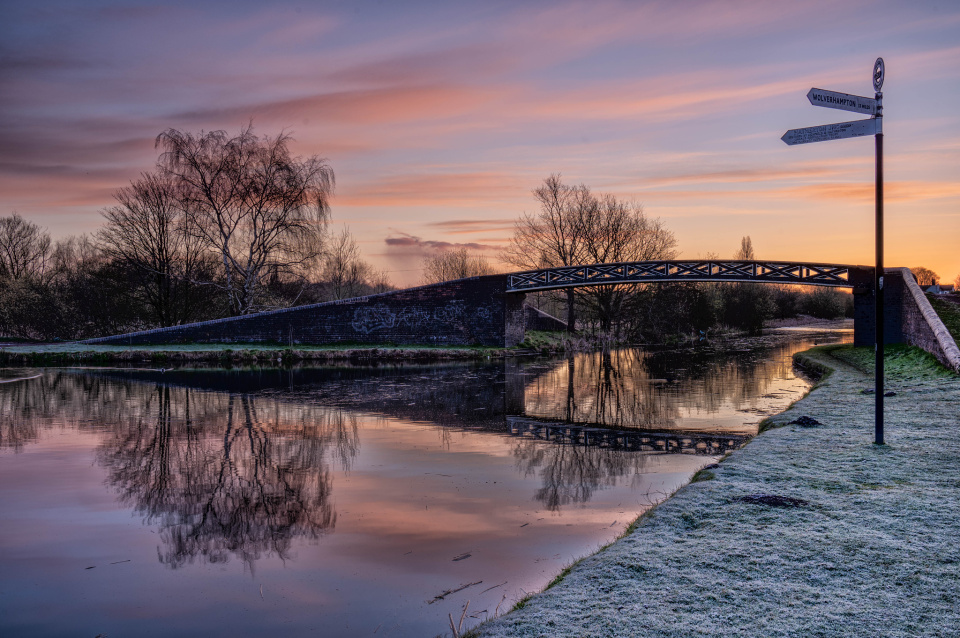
(348, 500)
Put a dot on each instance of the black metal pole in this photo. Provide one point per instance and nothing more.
(878, 288)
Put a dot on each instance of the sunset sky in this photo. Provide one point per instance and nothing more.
(440, 118)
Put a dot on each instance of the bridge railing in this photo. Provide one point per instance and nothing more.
(782, 272)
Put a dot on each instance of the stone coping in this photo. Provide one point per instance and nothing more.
(949, 353)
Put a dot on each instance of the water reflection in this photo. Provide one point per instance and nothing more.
(227, 474)
(570, 472)
(342, 500)
(660, 391)
(229, 463)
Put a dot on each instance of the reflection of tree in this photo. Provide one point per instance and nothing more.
(32, 405)
(571, 473)
(243, 473)
(22, 412)
(228, 474)
(631, 388)
(220, 473)
(609, 388)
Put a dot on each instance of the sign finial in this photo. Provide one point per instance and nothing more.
(878, 75)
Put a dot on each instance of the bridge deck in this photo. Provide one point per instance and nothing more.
(782, 272)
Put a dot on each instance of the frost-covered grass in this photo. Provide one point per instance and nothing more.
(901, 362)
(875, 552)
(545, 340)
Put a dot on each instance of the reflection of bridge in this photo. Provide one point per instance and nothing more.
(488, 398)
(682, 442)
(642, 272)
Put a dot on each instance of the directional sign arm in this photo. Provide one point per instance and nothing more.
(827, 132)
(842, 101)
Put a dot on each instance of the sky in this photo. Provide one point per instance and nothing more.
(440, 118)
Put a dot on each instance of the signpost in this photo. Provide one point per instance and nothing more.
(858, 128)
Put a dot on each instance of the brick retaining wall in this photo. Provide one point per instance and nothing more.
(536, 319)
(920, 324)
(472, 311)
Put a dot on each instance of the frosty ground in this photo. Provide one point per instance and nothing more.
(868, 544)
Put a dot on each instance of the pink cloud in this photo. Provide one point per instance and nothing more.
(407, 241)
(473, 226)
(461, 189)
(390, 105)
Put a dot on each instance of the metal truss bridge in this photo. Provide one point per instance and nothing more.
(643, 272)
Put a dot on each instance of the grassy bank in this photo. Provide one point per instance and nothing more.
(901, 363)
(949, 314)
(810, 530)
(227, 354)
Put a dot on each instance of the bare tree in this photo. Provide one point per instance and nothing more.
(925, 276)
(575, 227)
(343, 272)
(147, 231)
(618, 231)
(454, 264)
(379, 281)
(746, 250)
(24, 248)
(553, 236)
(747, 305)
(263, 211)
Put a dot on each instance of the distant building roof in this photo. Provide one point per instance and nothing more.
(938, 289)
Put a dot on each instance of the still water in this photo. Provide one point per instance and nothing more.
(346, 501)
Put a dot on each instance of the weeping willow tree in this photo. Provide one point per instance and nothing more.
(259, 209)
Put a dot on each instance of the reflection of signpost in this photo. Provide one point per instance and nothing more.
(858, 128)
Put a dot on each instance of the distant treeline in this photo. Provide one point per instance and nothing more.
(76, 288)
(656, 313)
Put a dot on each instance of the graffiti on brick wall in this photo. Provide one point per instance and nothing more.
(413, 317)
(368, 319)
(450, 313)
